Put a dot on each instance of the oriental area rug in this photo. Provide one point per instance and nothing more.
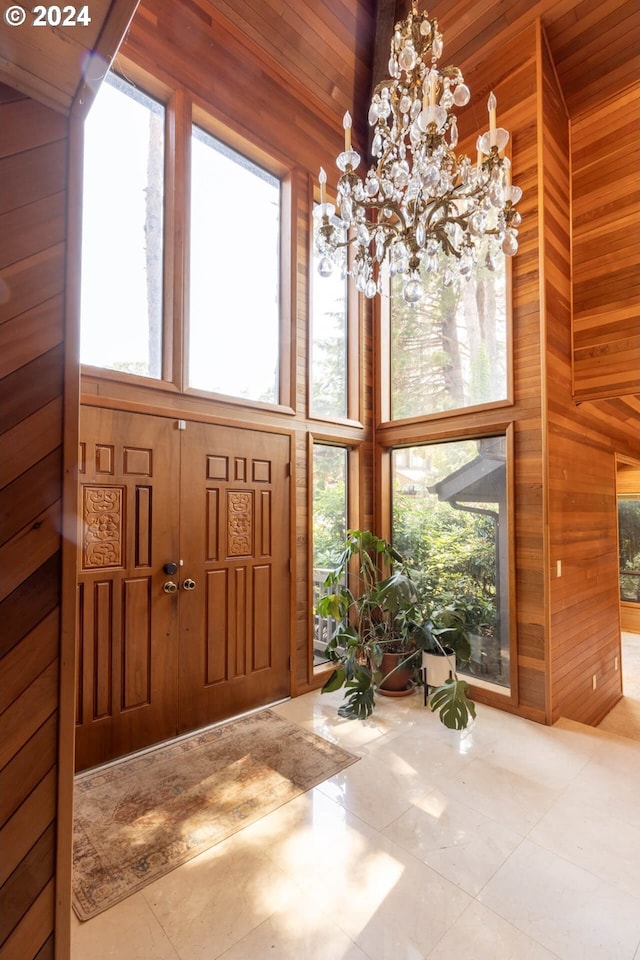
(137, 819)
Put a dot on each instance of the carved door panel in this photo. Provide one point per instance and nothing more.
(234, 623)
(127, 624)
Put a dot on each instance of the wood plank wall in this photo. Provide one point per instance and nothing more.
(32, 276)
(605, 154)
(584, 628)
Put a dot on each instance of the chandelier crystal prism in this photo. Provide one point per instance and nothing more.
(420, 205)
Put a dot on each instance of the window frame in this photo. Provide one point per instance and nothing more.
(489, 693)
(353, 514)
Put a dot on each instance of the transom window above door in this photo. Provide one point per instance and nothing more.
(182, 276)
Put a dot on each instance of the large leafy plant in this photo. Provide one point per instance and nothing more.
(375, 602)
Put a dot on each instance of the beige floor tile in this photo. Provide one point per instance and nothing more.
(218, 898)
(398, 908)
(461, 844)
(568, 910)
(516, 800)
(373, 792)
(301, 932)
(593, 839)
(128, 931)
(480, 934)
(611, 779)
(382, 861)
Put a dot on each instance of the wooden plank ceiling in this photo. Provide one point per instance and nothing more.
(57, 65)
(327, 46)
(595, 44)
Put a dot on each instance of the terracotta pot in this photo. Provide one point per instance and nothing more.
(399, 682)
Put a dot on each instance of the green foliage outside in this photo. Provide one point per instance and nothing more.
(629, 541)
(451, 554)
(329, 503)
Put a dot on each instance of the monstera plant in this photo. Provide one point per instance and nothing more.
(374, 601)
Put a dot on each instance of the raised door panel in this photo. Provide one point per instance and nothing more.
(235, 546)
(127, 624)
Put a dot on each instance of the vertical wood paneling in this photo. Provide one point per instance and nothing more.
(261, 613)
(103, 618)
(216, 626)
(142, 545)
(238, 632)
(32, 226)
(580, 481)
(136, 642)
(606, 247)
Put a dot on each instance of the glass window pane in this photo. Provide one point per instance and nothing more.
(449, 521)
(328, 389)
(234, 304)
(122, 231)
(449, 350)
(629, 547)
(329, 527)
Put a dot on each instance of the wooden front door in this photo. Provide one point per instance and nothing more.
(127, 624)
(215, 501)
(234, 623)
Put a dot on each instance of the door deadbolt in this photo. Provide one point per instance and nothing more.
(170, 569)
(170, 587)
(188, 584)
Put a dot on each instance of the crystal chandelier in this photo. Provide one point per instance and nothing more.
(419, 204)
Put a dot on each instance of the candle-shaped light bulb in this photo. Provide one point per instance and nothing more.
(492, 103)
(432, 88)
(346, 123)
(323, 180)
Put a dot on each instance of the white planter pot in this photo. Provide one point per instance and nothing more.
(437, 667)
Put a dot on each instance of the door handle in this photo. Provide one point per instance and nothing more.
(188, 584)
(170, 587)
(170, 569)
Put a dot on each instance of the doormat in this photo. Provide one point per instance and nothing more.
(138, 819)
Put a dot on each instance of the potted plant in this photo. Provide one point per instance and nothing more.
(446, 642)
(375, 603)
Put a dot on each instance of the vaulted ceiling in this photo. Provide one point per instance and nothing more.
(327, 46)
(595, 44)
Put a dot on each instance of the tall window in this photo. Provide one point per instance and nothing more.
(449, 350)
(122, 231)
(329, 526)
(629, 547)
(234, 302)
(328, 368)
(450, 522)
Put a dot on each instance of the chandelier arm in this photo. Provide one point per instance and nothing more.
(392, 205)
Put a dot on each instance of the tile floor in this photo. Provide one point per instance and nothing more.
(509, 841)
(625, 716)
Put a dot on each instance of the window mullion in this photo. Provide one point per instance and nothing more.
(176, 237)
